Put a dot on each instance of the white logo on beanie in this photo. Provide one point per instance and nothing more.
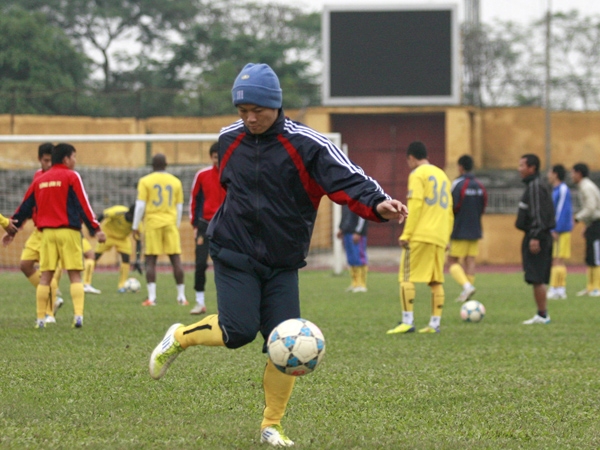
(239, 95)
(245, 77)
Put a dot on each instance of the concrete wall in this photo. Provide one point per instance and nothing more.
(495, 137)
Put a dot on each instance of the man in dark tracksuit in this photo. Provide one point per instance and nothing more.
(275, 172)
(536, 219)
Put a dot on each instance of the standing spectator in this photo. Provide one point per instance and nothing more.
(589, 214)
(116, 222)
(561, 235)
(536, 218)
(424, 239)
(160, 204)
(206, 197)
(470, 199)
(275, 172)
(353, 232)
(62, 206)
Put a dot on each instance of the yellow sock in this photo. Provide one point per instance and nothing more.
(596, 277)
(52, 298)
(78, 298)
(561, 276)
(88, 270)
(42, 294)
(553, 276)
(354, 276)
(278, 389)
(471, 279)
(437, 299)
(458, 273)
(407, 296)
(589, 279)
(363, 275)
(123, 274)
(205, 332)
(35, 279)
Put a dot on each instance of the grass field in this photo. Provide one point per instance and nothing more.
(493, 385)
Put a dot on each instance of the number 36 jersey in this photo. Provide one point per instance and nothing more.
(162, 192)
(430, 217)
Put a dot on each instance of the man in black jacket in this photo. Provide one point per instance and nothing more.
(536, 219)
(275, 172)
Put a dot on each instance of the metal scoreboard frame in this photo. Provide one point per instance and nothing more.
(346, 84)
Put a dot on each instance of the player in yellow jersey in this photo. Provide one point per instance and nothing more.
(425, 238)
(116, 222)
(160, 204)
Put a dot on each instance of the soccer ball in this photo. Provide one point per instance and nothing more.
(472, 311)
(296, 346)
(132, 285)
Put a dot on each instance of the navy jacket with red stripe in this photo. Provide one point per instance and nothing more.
(275, 182)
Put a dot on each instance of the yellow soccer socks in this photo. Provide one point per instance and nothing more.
(278, 389)
(123, 274)
(78, 298)
(457, 272)
(206, 332)
(88, 271)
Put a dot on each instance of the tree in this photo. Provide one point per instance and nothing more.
(233, 33)
(36, 58)
(508, 62)
(105, 28)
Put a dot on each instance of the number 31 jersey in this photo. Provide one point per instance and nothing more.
(162, 192)
(430, 215)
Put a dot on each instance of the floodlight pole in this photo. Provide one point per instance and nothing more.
(547, 105)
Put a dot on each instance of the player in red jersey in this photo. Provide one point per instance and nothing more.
(206, 197)
(62, 206)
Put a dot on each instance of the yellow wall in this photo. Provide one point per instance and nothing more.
(501, 242)
(495, 137)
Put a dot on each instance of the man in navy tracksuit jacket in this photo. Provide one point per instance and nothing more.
(275, 172)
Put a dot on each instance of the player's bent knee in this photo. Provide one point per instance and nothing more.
(238, 338)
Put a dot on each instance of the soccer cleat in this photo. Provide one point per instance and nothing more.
(275, 436)
(466, 294)
(40, 323)
(49, 319)
(582, 293)
(59, 302)
(537, 319)
(359, 289)
(349, 288)
(121, 290)
(77, 322)
(401, 328)
(552, 294)
(183, 302)
(428, 330)
(165, 353)
(149, 302)
(594, 293)
(198, 309)
(88, 288)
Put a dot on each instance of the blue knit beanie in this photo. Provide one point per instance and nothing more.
(257, 84)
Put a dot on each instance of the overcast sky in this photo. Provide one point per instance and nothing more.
(516, 10)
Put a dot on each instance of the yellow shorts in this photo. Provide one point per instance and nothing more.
(122, 245)
(61, 244)
(31, 251)
(162, 241)
(459, 248)
(422, 263)
(561, 248)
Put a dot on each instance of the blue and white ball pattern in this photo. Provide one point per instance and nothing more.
(296, 346)
(472, 311)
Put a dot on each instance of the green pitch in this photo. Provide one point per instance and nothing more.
(492, 385)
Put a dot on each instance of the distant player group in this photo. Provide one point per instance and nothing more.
(58, 204)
